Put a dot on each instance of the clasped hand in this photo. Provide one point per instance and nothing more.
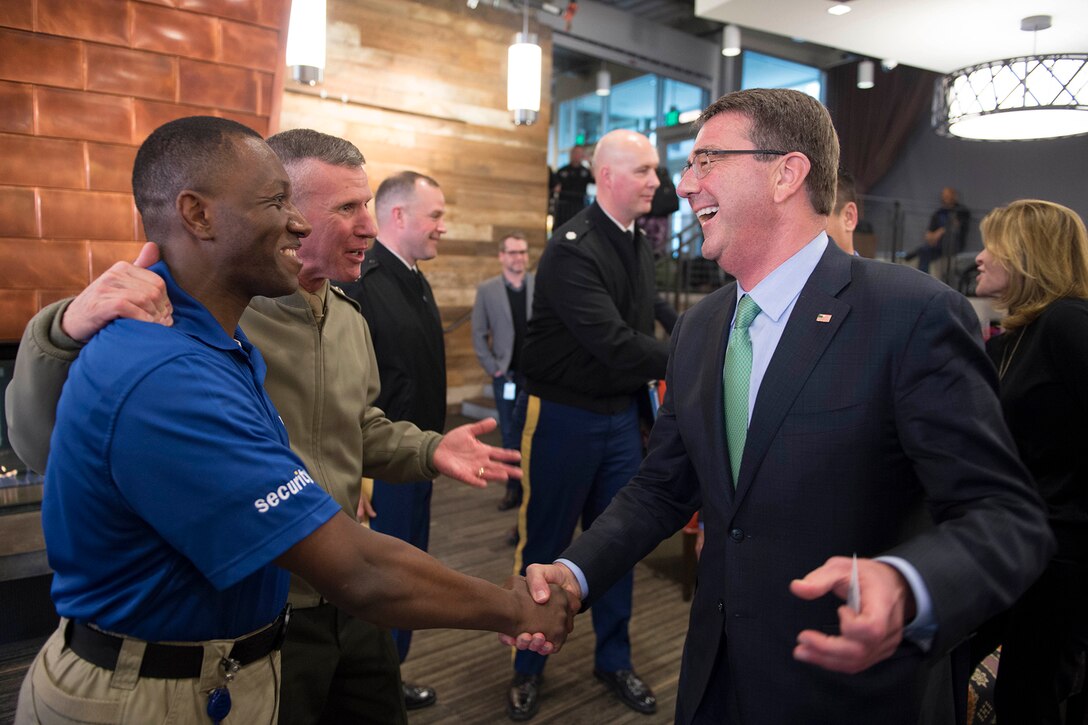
(543, 626)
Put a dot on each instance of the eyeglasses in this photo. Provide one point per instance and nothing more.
(515, 252)
(700, 163)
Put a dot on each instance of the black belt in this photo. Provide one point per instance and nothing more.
(172, 661)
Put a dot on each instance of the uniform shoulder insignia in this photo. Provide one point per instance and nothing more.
(571, 235)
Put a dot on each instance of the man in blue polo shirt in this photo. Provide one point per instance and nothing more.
(171, 491)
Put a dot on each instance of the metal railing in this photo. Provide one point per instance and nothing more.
(682, 273)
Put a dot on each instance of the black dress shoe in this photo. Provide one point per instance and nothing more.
(511, 500)
(523, 698)
(632, 691)
(416, 696)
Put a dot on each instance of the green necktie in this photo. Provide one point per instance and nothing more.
(735, 379)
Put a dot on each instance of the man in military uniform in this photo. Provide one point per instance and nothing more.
(589, 353)
(570, 187)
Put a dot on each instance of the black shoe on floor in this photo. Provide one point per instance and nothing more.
(416, 696)
(629, 687)
(523, 698)
(511, 500)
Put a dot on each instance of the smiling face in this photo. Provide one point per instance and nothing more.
(422, 222)
(334, 200)
(625, 169)
(514, 256)
(993, 278)
(256, 224)
(734, 201)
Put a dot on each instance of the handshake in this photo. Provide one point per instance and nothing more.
(546, 603)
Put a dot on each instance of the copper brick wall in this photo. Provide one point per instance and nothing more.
(82, 83)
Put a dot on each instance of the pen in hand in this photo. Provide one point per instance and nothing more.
(853, 594)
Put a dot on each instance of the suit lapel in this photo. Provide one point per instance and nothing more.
(813, 323)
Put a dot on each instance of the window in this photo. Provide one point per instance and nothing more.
(633, 105)
(765, 71)
(642, 104)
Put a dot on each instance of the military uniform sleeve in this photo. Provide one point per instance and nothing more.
(41, 368)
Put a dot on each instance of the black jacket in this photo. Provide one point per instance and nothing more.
(407, 332)
(590, 342)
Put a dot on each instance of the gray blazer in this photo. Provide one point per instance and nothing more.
(493, 323)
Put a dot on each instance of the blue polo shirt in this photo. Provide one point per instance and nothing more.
(171, 487)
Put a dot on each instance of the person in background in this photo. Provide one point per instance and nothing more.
(656, 223)
(946, 233)
(570, 186)
(1035, 263)
(500, 318)
(821, 406)
(398, 304)
(843, 219)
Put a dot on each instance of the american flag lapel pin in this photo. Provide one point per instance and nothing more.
(823, 317)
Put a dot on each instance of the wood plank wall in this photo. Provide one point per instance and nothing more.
(425, 89)
(82, 84)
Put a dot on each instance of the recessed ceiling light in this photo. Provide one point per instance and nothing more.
(839, 9)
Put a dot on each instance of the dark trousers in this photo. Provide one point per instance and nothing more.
(574, 462)
(508, 426)
(338, 669)
(404, 511)
(1044, 640)
(926, 255)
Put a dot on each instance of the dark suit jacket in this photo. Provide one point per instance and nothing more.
(407, 332)
(858, 422)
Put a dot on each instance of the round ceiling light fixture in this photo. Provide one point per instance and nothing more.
(1016, 99)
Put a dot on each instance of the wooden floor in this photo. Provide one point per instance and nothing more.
(471, 670)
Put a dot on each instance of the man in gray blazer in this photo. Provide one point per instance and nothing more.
(821, 406)
(503, 307)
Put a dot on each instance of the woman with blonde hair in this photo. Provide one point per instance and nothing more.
(1035, 263)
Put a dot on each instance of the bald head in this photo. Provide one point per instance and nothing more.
(624, 168)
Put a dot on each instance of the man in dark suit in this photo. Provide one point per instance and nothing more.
(850, 409)
(399, 306)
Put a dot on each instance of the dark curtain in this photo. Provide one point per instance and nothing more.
(875, 124)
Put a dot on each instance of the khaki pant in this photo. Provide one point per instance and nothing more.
(61, 687)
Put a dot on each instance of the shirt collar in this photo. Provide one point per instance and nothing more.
(193, 319)
(628, 229)
(412, 267)
(777, 290)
